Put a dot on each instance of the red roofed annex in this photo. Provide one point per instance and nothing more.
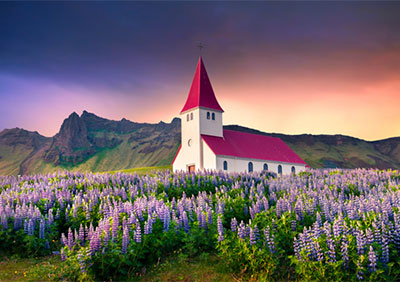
(206, 145)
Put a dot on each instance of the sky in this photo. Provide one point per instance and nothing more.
(286, 67)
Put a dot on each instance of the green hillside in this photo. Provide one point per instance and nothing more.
(92, 143)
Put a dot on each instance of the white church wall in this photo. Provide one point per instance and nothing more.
(210, 126)
(236, 164)
(209, 159)
(190, 130)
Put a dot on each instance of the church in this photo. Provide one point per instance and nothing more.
(206, 145)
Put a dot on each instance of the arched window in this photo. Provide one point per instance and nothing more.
(191, 116)
(293, 170)
(225, 165)
(187, 117)
(279, 169)
(208, 115)
(250, 167)
(265, 167)
(213, 116)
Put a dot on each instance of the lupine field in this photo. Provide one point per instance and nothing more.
(317, 225)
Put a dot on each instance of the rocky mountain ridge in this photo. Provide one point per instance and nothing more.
(90, 142)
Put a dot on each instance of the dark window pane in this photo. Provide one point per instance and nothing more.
(250, 167)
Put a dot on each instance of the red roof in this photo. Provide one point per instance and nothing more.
(201, 93)
(252, 146)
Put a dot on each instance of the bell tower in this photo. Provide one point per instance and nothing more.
(201, 115)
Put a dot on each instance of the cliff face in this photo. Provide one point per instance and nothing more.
(89, 142)
(70, 144)
(92, 143)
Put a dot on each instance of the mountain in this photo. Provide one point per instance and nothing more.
(332, 151)
(92, 143)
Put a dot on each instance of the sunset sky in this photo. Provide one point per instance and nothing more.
(287, 67)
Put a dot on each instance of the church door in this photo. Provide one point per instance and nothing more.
(192, 168)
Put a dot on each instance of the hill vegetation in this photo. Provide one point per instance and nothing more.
(92, 143)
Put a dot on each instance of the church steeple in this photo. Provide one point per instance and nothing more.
(201, 93)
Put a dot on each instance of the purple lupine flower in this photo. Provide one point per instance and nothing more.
(81, 235)
(26, 223)
(138, 233)
(220, 229)
(62, 253)
(81, 262)
(31, 227)
(331, 249)
(203, 220)
(360, 275)
(41, 228)
(70, 240)
(63, 240)
(372, 259)
(242, 231)
(293, 225)
(233, 224)
(296, 248)
(209, 217)
(115, 225)
(318, 251)
(370, 236)
(125, 240)
(185, 222)
(167, 219)
(344, 248)
(95, 243)
(252, 237)
(360, 241)
(396, 239)
(256, 232)
(66, 215)
(270, 239)
(385, 248)
(146, 227)
(377, 233)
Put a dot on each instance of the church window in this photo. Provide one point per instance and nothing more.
(208, 115)
(187, 117)
(191, 116)
(293, 169)
(279, 169)
(225, 165)
(265, 167)
(213, 116)
(250, 167)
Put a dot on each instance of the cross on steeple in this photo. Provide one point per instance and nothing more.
(200, 46)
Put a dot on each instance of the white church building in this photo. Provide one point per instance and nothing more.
(206, 145)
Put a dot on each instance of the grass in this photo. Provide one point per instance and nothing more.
(205, 267)
(29, 269)
(144, 170)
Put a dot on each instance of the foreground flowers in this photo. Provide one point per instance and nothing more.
(344, 223)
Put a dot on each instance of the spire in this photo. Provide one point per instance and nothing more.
(201, 93)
